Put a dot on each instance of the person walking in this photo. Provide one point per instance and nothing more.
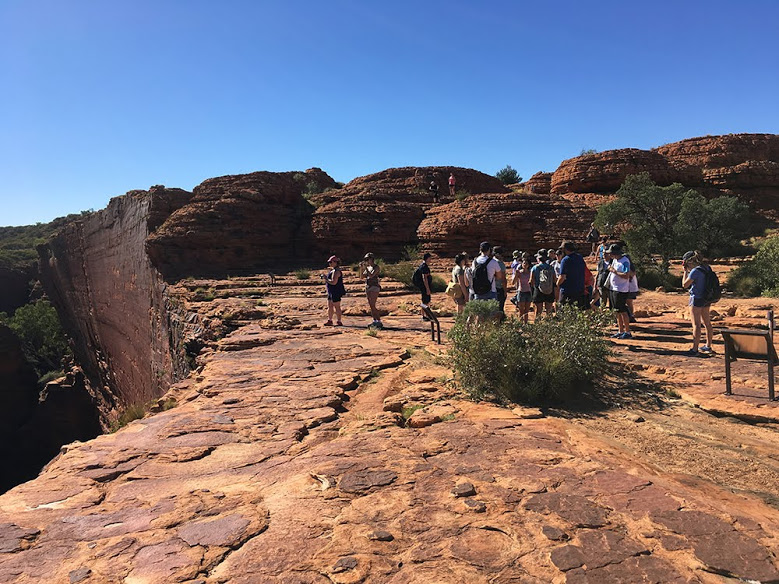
(500, 278)
(370, 271)
(484, 271)
(694, 278)
(521, 279)
(452, 183)
(334, 282)
(571, 278)
(619, 270)
(460, 282)
(542, 279)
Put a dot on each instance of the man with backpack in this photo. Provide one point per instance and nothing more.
(542, 282)
(571, 278)
(592, 237)
(484, 272)
(422, 280)
(500, 277)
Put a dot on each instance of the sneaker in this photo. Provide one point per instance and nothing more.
(329, 323)
(706, 349)
(625, 336)
(691, 353)
(339, 323)
(616, 336)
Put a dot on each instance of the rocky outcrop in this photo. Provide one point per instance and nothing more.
(381, 212)
(515, 221)
(539, 184)
(125, 332)
(742, 165)
(237, 224)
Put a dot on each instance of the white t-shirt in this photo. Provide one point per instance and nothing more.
(492, 268)
(622, 266)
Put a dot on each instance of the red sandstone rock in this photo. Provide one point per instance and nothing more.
(515, 221)
(381, 212)
(238, 223)
(540, 183)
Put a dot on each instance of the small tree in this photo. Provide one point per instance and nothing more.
(508, 176)
(714, 226)
(43, 340)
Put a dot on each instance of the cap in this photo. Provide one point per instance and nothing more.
(515, 253)
(333, 258)
(368, 256)
(688, 255)
(615, 249)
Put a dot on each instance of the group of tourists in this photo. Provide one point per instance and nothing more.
(538, 284)
(434, 189)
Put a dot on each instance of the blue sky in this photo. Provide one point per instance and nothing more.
(101, 97)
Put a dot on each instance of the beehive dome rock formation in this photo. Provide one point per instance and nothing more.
(381, 212)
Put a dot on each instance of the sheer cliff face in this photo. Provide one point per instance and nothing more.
(112, 300)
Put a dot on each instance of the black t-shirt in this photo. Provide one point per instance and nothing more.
(425, 271)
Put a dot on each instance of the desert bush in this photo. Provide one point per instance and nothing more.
(403, 272)
(508, 176)
(760, 275)
(650, 277)
(43, 340)
(201, 294)
(543, 361)
(461, 195)
(302, 274)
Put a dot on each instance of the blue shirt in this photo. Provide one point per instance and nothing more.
(572, 267)
(698, 288)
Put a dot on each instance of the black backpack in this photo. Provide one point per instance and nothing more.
(481, 280)
(713, 292)
(417, 278)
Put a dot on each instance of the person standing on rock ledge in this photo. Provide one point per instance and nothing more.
(334, 281)
(434, 191)
(452, 183)
(370, 271)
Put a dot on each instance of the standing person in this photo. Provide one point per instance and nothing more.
(425, 280)
(592, 238)
(452, 183)
(521, 279)
(334, 282)
(516, 261)
(571, 278)
(484, 274)
(458, 278)
(632, 289)
(694, 278)
(370, 271)
(557, 258)
(601, 279)
(434, 190)
(500, 277)
(618, 283)
(542, 285)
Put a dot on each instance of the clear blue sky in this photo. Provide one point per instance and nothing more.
(99, 97)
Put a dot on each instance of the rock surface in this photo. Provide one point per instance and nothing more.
(381, 212)
(516, 221)
(279, 465)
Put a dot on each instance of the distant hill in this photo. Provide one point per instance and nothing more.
(17, 244)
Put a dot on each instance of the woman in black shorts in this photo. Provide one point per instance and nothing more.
(334, 281)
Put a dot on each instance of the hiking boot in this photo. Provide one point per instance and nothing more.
(329, 323)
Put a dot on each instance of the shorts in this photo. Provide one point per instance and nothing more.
(373, 289)
(524, 296)
(425, 298)
(618, 300)
(632, 295)
(335, 298)
(487, 296)
(539, 297)
(698, 302)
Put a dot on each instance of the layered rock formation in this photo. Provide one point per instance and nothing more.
(540, 183)
(743, 165)
(112, 301)
(515, 221)
(238, 224)
(381, 212)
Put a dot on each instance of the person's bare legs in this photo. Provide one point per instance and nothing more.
(696, 326)
(706, 316)
(330, 309)
(337, 312)
(372, 298)
(524, 311)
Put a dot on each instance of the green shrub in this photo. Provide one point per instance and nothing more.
(201, 294)
(651, 276)
(403, 272)
(302, 274)
(461, 195)
(508, 176)
(543, 361)
(760, 275)
(132, 412)
(43, 340)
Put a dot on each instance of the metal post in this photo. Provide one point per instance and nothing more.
(770, 351)
(770, 317)
(728, 390)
